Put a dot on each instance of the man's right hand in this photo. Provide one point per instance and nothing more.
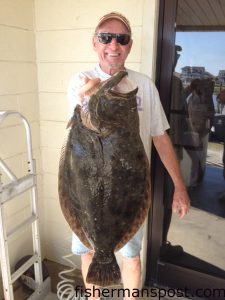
(89, 87)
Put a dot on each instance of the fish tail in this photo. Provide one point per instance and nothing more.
(104, 271)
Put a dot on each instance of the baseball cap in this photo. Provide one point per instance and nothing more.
(114, 15)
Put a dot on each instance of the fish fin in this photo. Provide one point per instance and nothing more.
(76, 115)
(104, 273)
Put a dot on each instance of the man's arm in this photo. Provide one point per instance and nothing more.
(164, 147)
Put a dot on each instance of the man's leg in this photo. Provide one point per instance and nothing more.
(86, 257)
(131, 265)
(131, 275)
(85, 263)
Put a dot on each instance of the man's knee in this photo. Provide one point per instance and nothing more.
(86, 258)
(133, 264)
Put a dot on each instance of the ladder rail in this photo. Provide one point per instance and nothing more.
(23, 268)
(20, 227)
(36, 232)
(7, 171)
(5, 263)
(4, 115)
(16, 187)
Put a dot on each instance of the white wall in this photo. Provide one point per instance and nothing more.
(18, 91)
(64, 31)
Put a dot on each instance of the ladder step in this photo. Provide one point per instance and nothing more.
(17, 187)
(23, 268)
(21, 227)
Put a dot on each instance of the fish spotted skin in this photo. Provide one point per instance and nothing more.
(104, 185)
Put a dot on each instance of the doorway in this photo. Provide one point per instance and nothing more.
(189, 253)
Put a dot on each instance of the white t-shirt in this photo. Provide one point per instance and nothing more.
(153, 121)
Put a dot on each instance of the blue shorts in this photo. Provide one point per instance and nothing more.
(130, 250)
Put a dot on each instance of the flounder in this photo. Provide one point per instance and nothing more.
(103, 183)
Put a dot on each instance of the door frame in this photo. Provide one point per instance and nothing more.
(166, 36)
(160, 273)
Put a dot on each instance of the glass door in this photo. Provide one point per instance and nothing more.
(197, 120)
(191, 252)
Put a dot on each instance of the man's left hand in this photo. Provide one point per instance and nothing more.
(181, 202)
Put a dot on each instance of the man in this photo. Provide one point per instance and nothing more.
(178, 125)
(224, 158)
(112, 42)
(221, 101)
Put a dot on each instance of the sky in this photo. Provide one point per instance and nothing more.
(202, 49)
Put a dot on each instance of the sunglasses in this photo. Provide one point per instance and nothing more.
(106, 38)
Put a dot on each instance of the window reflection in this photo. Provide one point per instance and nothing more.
(197, 120)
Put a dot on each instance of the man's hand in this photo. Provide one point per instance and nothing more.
(88, 88)
(181, 202)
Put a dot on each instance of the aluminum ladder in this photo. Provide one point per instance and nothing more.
(7, 193)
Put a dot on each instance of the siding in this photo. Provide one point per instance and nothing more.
(18, 91)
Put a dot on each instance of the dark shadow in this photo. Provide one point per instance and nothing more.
(194, 263)
(206, 196)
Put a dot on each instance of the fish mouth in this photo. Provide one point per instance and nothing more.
(119, 84)
(111, 103)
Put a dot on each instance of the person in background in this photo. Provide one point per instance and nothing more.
(201, 113)
(179, 126)
(221, 101)
(224, 158)
(112, 41)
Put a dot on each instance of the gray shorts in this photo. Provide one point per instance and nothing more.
(130, 250)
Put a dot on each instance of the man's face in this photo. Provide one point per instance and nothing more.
(112, 56)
